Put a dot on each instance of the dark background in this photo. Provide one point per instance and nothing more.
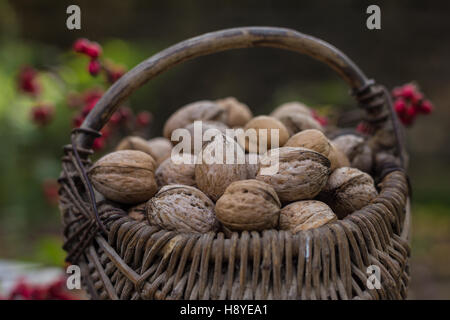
(413, 45)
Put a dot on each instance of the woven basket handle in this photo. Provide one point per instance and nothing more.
(371, 97)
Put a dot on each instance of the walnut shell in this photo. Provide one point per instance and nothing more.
(302, 173)
(291, 108)
(170, 172)
(310, 139)
(137, 212)
(299, 122)
(304, 215)
(200, 110)
(183, 209)
(205, 125)
(238, 113)
(266, 140)
(315, 140)
(214, 173)
(248, 205)
(357, 151)
(348, 190)
(125, 176)
(134, 143)
(160, 148)
(252, 162)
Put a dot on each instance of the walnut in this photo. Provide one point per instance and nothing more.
(200, 110)
(252, 162)
(298, 122)
(304, 215)
(221, 162)
(263, 139)
(182, 208)
(291, 108)
(178, 172)
(348, 190)
(205, 125)
(315, 140)
(248, 205)
(125, 176)
(238, 113)
(160, 148)
(357, 151)
(302, 173)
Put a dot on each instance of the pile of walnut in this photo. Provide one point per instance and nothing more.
(318, 180)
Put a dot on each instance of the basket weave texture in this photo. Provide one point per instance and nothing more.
(121, 258)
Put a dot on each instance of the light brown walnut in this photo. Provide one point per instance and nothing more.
(293, 107)
(178, 172)
(248, 205)
(357, 151)
(125, 176)
(238, 113)
(200, 110)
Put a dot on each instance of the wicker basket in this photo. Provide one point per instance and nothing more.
(124, 259)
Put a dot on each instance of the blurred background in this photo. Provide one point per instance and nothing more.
(411, 46)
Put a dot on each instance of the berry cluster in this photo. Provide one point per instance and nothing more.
(410, 102)
(52, 291)
(93, 50)
(123, 118)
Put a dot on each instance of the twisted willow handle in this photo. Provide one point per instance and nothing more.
(245, 37)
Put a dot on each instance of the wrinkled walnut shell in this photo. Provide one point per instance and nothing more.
(348, 190)
(125, 176)
(248, 205)
(304, 215)
(183, 209)
(302, 173)
(357, 151)
(212, 177)
(160, 148)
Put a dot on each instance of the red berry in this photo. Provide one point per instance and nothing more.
(397, 92)
(115, 73)
(88, 107)
(77, 121)
(416, 98)
(42, 114)
(27, 81)
(99, 143)
(426, 107)
(400, 106)
(94, 67)
(93, 50)
(125, 112)
(116, 118)
(362, 127)
(92, 95)
(80, 45)
(144, 118)
(408, 91)
(50, 188)
(411, 111)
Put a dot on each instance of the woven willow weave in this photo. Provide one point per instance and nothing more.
(125, 259)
